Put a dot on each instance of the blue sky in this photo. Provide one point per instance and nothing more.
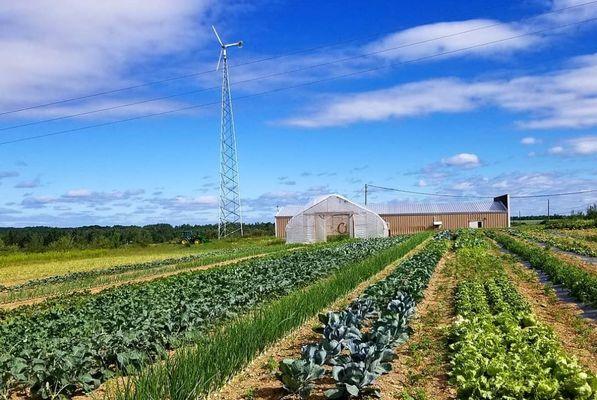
(517, 115)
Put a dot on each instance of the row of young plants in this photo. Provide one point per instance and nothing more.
(561, 242)
(500, 351)
(195, 371)
(571, 223)
(78, 281)
(79, 342)
(357, 344)
(468, 238)
(581, 283)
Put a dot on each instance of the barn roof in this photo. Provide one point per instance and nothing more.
(489, 206)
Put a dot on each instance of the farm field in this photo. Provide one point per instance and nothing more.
(559, 239)
(400, 318)
(36, 290)
(19, 267)
(76, 343)
(468, 299)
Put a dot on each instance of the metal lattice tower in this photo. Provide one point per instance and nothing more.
(231, 220)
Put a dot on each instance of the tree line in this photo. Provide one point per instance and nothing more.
(41, 238)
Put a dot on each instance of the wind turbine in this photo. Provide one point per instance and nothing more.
(231, 221)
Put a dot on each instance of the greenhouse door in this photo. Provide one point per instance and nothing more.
(341, 225)
(320, 228)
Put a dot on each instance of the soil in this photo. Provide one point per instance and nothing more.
(258, 380)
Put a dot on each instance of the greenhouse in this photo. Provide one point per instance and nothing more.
(326, 217)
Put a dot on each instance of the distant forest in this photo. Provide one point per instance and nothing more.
(42, 238)
(589, 213)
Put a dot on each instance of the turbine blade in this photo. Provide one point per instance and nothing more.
(219, 59)
(217, 36)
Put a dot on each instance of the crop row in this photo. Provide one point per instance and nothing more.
(469, 238)
(195, 371)
(499, 350)
(77, 281)
(80, 342)
(561, 242)
(582, 284)
(357, 344)
(74, 276)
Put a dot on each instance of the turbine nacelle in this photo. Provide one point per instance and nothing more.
(224, 46)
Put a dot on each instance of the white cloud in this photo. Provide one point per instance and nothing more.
(78, 193)
(529, 140)
(464, 186)
(462, 160)
(583, 145)
(28, 184)
(580, 146)
(565, 98)
(51, 51)
(422, 183)
(441, 37)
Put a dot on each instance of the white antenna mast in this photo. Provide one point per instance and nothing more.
(231, 221)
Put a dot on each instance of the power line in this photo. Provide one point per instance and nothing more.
(553, 194)
(483, 197)
(307, 50)
(332, 78)
(429, 194)
(262, 77)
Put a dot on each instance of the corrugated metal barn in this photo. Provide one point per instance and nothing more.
(416, 217)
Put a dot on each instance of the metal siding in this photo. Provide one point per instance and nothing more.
(281, 223)
(402, 224)
(439, 208)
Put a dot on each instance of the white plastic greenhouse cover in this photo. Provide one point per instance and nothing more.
(332, 215)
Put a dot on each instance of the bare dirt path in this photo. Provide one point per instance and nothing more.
(421, 366)
(578, 335)
(258, 380)
(100, 288)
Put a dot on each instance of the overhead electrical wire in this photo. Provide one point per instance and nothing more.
(262, 77)
(483, 197)
(428, 194)
(307, 50)
(332, 78)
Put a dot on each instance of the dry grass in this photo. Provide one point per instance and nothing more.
(21, 267)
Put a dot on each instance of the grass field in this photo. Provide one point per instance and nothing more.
(20, 267)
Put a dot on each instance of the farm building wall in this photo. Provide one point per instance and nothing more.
(281, 223)
(402, 224)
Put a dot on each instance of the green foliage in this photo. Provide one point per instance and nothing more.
(500, 351)
(359, 357)
(582, 284)
(79, 342)
(469, 238)
(561, 242)
(298, 376)
(211, 256)
(37, 239)
(571, 223)
(338, 238)
(196, 371)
